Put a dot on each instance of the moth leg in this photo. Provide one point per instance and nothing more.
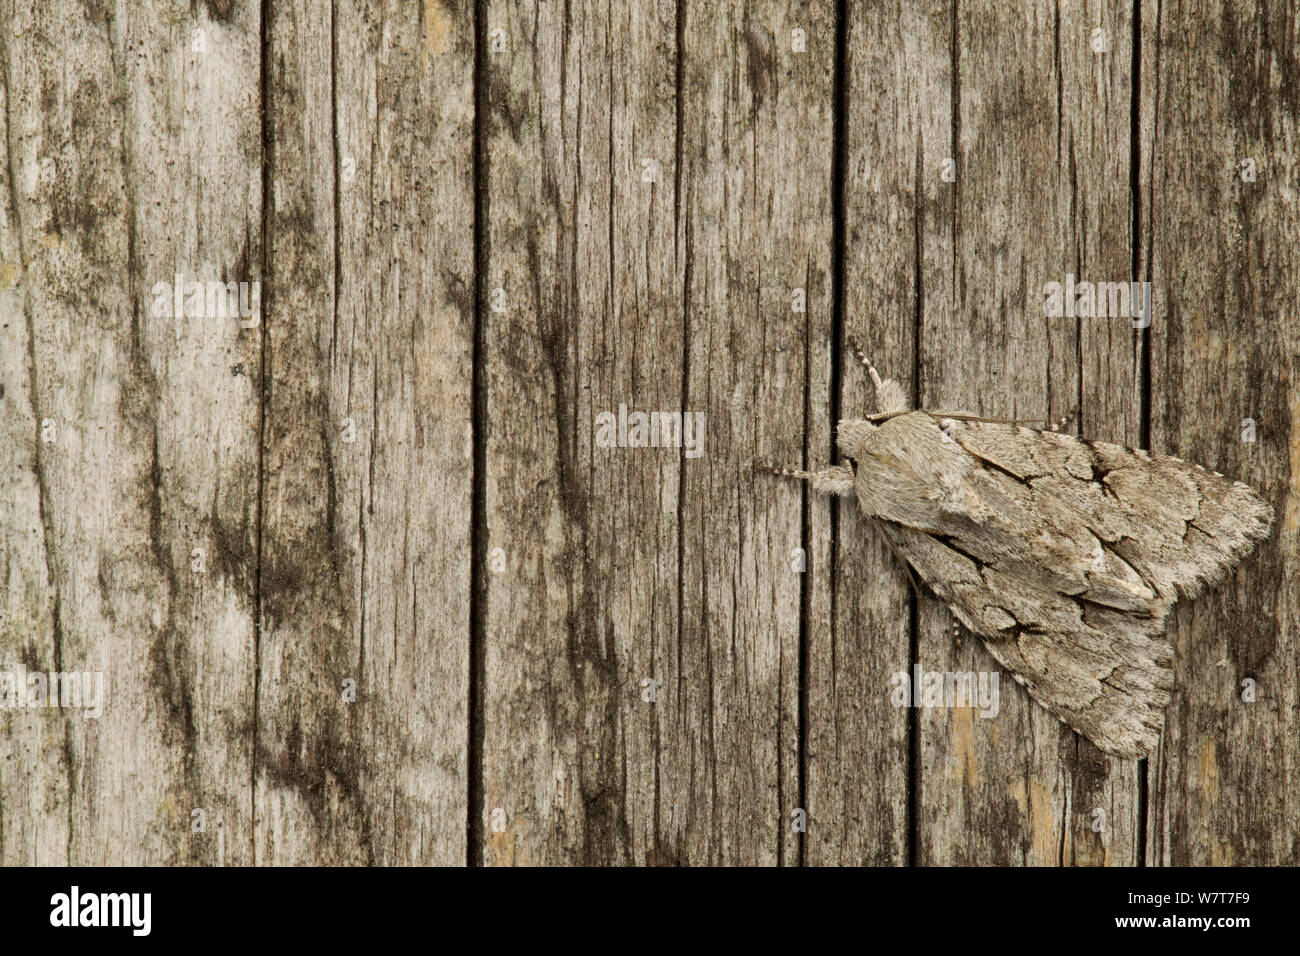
(834, 480)
(889, 394)
(1065, 418)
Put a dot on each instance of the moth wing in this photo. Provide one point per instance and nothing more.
(1065, 557)
(1178, 525)
(1105, 672)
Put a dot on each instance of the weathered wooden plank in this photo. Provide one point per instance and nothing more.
(593, 288)
(755, 167)
(896, 134)
(1219, 88)
(191, 119)
(635, 355)
(35, 765)
(1094, 155)
(583, 315)
(404, 325)
(659, 682)
(367, 475)
(145, 488)
(1041, 150)
(309, 795)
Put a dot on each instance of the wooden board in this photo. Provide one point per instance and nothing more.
(756, 135)
(1040, 142)
(133, 149)
(367, 581)
(364, 566)
(1222, 255)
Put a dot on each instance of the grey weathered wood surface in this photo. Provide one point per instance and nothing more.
(1225, 254)
(476, 227)
(1039, 132)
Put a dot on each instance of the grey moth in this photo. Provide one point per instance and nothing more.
(1063, 555)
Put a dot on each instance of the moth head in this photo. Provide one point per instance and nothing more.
(851, 436)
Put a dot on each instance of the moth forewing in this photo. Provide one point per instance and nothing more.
(1063, 555)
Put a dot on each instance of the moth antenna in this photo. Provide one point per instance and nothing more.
(835, 480)
(771, 469)
(966, 417)
(862, 357)
(889, 394)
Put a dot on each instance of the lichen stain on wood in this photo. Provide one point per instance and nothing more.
(961, 766)
(758, 47)
(504, 845)
(1039, 809)
(437, 26)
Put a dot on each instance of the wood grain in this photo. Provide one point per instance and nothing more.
(477, 227)
(583, 315)
(1221, 253)
(152, 448)
(860, 762)
(756, 206)
(367, 471)
(1040, 128)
